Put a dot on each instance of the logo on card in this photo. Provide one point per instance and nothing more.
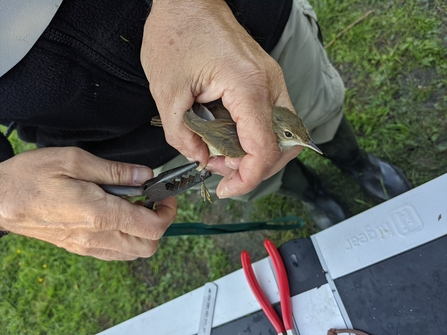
(401, 222)
(406, 220)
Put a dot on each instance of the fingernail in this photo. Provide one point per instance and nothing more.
(200, 167)
(233, 163)
(226, 192)
(222, 194)
(140, 175)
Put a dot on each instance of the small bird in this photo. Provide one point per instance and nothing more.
(213, 123)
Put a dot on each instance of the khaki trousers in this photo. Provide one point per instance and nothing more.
(314, 86)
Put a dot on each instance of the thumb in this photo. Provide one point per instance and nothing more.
(81, 165)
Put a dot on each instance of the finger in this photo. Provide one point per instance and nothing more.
(188, 144)
(89, 243)
(251, 109)
(116, 241)
(237, 183)
(255, 130)
(258, 141)
(286, 156)
(114, 246)
(240, 181)
(101, 245)
(233, 163)
(282, 95)
(79, 164)
(121, 215)
(104, 254)
(218, 165)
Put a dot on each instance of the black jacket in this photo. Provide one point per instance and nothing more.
(82, 83)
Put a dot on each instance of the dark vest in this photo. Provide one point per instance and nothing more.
(82, 83)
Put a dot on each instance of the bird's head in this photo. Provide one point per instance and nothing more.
(290, 130)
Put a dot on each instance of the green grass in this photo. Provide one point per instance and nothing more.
(394, 64)
(46, 290)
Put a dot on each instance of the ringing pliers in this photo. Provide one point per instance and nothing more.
(166, 184)
(284, 326)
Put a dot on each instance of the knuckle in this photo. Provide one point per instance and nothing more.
(150, 250)
(72, 154)
(252, 64)
(275, 68)
(273, 154)
(98, 221)
(184, 141)
(264, 69)
(256, 74)
(173, 140)
(154, 232)
(72, 158)
(118, 172)
(80, 250)
(150, 225)
(86, 242)
(162, 94)
(157, 91)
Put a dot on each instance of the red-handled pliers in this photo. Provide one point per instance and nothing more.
(281, 327)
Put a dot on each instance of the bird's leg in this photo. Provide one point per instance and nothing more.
(204, 193)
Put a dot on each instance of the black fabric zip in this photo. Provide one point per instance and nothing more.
(57, 36)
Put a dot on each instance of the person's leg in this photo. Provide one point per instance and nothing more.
(300, 182)
(317, 92)
(381, 180)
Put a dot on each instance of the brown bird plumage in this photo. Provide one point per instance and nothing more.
(213, 123)
(221, 134)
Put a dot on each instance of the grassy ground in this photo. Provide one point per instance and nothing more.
(394, 64)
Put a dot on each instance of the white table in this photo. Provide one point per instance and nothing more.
(361, 243)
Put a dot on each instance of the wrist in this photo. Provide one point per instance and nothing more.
(190, 8)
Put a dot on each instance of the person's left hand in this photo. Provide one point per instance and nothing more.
(52, 194)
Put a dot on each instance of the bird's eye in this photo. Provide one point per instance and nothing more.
(288, 134)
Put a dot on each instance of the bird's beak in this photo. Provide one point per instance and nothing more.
(311, 145)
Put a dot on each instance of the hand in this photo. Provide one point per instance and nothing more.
(52, 195)
(197, 51)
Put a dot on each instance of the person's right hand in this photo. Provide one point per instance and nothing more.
(196, 51)
(52, 194)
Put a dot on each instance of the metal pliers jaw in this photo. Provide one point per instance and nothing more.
(166, 184)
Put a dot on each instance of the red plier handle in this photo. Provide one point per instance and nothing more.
(281, 327)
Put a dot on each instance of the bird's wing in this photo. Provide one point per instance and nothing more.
(221, 135)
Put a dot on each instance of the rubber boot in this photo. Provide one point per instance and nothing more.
(301, 182)
(379, 179)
